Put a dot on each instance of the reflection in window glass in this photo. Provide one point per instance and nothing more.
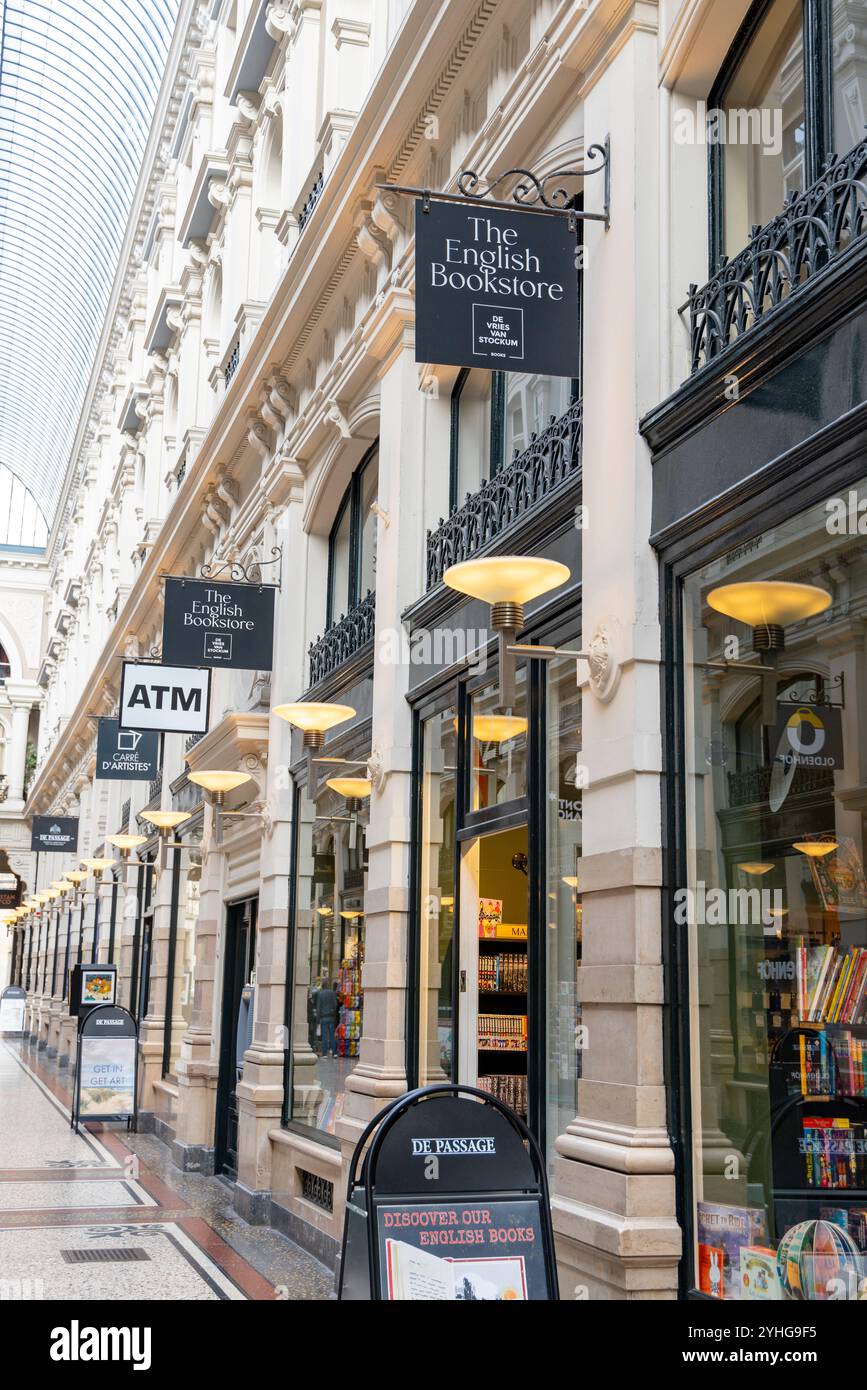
(532, 402)
(763, 108)
(565, 783)
(367, 529)
(339, 561)
(329, 959)
(776, 921)
(498, 746)
(437, 917)
(848, 74)
(473, 432)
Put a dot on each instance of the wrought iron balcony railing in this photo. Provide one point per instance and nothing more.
(551, 458)
(813, 229)
(311, 200)
(232, 364)
(343, 639)
(752, 787)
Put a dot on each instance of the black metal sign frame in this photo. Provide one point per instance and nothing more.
(363, 1198)
(131, 1031)
(532, 193)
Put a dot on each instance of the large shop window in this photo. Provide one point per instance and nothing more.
(792, 91)
(494, 416)
(775, 911)
(352, 543)
(328, 954)
(499, 925)
(181, 969)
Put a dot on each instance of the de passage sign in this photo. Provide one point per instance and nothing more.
(496, 289)
(217, 624)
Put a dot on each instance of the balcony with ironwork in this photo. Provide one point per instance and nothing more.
(344, 640)
(806, 239)
(549, 464)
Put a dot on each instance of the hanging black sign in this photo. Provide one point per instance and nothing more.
(496, 289)
(451, 1205)
(213, 624)
(172, 699)
(128, 755)
(809, 736)
(10, 890)
(54, 834)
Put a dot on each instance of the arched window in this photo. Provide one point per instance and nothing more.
(352, 543)
(5, 665)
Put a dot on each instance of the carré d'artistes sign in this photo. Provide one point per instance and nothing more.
(496, 289)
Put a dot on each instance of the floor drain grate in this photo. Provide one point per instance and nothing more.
(113, 1256)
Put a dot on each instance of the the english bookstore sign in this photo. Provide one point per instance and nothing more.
(128, 755)
(496, 289)
(215, 624)
(170, 699)
(54, 834)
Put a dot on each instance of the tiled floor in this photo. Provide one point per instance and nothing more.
(71, 1205)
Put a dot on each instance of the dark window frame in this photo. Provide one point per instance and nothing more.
(818, 108)
(351, 499)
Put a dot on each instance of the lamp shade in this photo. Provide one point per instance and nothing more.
(165, 820)
(814, 849)
(125, 842)
(506, 578)
(64, 887)
(76, 876)
(97, 865)
(350, 786)
(313, 717)
(761, 603)
(214, 781)
(498, 728)
(755, 869)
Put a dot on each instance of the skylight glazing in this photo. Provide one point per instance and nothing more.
(78, 87)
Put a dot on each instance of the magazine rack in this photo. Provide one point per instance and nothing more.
(447, 1198)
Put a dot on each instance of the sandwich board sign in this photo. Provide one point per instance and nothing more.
(105, 1082)
(126, 755)
(170, 699)
(12, 1002)
(448, 1203)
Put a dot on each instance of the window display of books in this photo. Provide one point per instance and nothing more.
(351, 1003)
(511, 1090)
(831, 984)
(504, 973)
(502, 1032)
(835, 1152)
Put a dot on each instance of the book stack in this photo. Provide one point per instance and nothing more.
(850, 1055)
(351, 998)
(831, 984)
(505, 973)
(835, 1152)
(503, 1032)
(511, 1090)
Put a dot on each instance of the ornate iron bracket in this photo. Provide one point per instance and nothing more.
(241, 572)
(544, 193)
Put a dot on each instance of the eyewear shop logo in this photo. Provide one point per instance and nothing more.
(759, 126)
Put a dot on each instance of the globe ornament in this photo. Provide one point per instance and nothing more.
(819, 1260)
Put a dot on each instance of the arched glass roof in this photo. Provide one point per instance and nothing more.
(78, 86)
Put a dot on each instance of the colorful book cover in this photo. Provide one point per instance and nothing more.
(730, 1228)
(760, 1279)
(839, 878)
(711, 1259)
(490, 916)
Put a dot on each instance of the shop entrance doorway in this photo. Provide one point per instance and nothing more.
(494, 966)
(239, 982)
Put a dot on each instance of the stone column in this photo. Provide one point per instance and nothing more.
(614, 1188)
(56, 1002)
(152, 1027)
(198, 1064)
(381, 1071)
(18, 750)
(260, 1092)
